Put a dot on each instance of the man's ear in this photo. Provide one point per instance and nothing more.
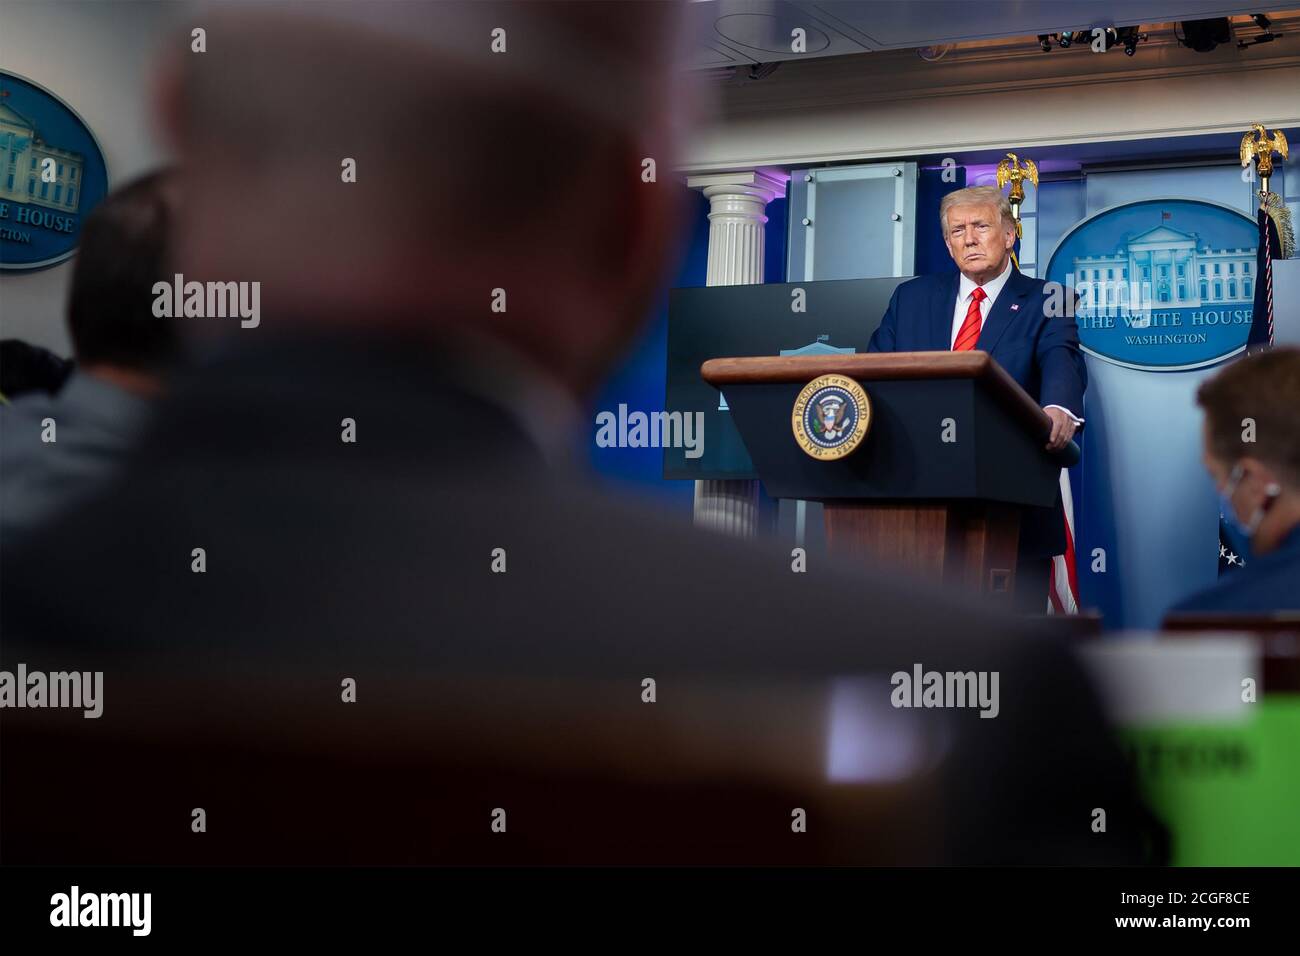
(168, 101)
(1258, 471)
(638, 247)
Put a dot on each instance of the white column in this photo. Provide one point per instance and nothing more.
(737, 215)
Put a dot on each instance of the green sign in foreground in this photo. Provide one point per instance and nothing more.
(1229, 793)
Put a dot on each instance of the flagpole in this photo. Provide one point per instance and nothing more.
(1274, 219)
(1063, 584)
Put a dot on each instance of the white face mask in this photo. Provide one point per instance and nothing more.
(1249, 527)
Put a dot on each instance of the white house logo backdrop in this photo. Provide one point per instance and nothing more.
(1163, 283)
(52, 172)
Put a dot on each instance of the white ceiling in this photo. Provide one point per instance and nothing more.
(738, 32)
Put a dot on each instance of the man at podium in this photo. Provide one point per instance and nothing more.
(991, 306)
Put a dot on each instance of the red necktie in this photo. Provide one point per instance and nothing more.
(969, 332)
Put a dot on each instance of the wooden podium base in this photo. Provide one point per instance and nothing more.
(965, 545)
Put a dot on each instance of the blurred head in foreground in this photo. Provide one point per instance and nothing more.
(494, 145)
(343, 570)
(124, 249)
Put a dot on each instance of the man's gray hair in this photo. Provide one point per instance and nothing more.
(976, 196)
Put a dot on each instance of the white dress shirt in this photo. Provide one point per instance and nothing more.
(964, 290)
(992, 289)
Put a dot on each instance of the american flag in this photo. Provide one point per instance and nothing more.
(1063, 588)
(1230, 558)
(1270, 248)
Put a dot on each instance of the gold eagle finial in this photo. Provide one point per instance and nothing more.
(1261, 149)
(1015, 171)
(1258, 146)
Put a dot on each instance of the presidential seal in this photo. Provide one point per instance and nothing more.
(831, 417)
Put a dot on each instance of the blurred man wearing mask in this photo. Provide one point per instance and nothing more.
(1252, 452)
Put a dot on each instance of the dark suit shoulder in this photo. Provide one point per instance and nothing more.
(1259, 590)
(925, 284)
(941, 282)
(1027, 283)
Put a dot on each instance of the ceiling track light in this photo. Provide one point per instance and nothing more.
(1268, 36)
(1130, 37)
(1110, 37)
(1203, 35)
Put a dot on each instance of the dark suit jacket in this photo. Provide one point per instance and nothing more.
(1267, 583)
(478, 690)
(1041, 352)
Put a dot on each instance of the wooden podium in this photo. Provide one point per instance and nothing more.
(954, 451)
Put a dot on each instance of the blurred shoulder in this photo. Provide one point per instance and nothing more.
(21, 421)
(27, 406)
